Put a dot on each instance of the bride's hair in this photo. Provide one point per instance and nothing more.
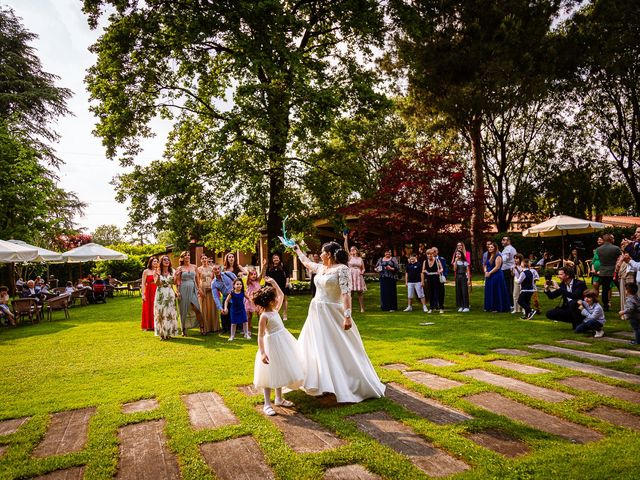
(336, 251)
(264, 296)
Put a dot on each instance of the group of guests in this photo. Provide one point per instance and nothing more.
(211, 297)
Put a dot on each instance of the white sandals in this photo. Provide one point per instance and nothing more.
(268, 410)
(283, 403)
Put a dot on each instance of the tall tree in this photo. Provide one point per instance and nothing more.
(604, 38)
(467, 59)
(246, 84)
(107, 235)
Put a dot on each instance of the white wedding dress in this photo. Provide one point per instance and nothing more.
(335, 359)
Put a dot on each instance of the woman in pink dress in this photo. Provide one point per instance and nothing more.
(356, 266)
(253, 285)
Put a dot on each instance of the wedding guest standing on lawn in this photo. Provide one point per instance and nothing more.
(413, 282)
(356, 266)
(278, 271)
(149, 293)
(230, 265)
(221, 286)
(186, 280)
(253, 285)
(388, 269)
(608, 254)
(165, 312)
(496, 296)
(508, 261)
(431, 271)
(209, 310)
(462, 275)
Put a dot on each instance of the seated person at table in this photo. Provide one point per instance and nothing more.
(4, 305)
(571, 290)
(69, 288)
(32, 291)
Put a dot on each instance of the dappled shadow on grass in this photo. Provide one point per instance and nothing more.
(9, 334)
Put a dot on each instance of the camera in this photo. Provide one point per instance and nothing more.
(548, 277)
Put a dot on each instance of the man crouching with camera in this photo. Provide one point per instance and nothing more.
(571, 290)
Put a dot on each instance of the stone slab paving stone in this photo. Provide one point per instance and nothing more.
(67, 433)
(499, 442)
(140, 406)
(511, 351)
(350, 472)
(626, 351)
(236, 459)
(630, 335)
(3, 449)
(207, 410)
(573, 342)
(586, 368)
(621, 341)
(598, 357)
(586, 384)
(302, 434)
(430, 409)
(617, 417)
(501, 405)
(249, 390)
(401, 367)
(434, 382)
(519, 367)
(144, 454)
(397, 436)
(436, 362)
(534, 391)
(7, 427)
(76, 473)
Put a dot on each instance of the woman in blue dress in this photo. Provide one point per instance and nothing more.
(234, 304)
(496, 296)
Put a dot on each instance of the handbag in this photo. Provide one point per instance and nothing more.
(443, 279)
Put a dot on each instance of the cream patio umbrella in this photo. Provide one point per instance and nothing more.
(563, 225)
(12, 253)
(92, 252)
(44, 255)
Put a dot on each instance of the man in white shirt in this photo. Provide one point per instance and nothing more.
(508, 262)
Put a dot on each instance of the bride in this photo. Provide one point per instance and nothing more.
(331, 345)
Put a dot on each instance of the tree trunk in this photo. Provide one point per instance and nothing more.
(478, 208)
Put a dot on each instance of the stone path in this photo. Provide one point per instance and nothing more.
(236, 459)
(432, 381)
(626, 351)
(630, 335)
(140, 406)
(621, 341)
(397, 436)
(519, 367)
(430, 409)
(350, 472)
(401, 367)
(499, 442)
(207, 410)
(617, 417)
(249, 390)
(436, 362)
(67, 433)
(144, 454)
(534, 391)
(586, 384)
(3, 449)
(597, 357)
(76, 473)
(573, 342)
(302, 434)
(586, 368)
(511, 351)
(501, 405)
(7, 427)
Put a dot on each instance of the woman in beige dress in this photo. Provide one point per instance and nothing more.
(356, 267)
(208, 306)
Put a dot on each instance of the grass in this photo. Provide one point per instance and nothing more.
(101, 358)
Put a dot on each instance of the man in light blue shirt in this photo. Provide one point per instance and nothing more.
(221, 286)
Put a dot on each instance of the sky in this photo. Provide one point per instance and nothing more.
(62, 46)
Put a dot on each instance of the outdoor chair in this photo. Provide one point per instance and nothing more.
(59, 290)
(109, 289)
(27, 307)
(58, 303)
(121, 288)
(134, 287)
(80, 296)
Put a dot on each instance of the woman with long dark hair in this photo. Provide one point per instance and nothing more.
(496, 296)
(187, 277)
(278, 271)
(148, 285)
(165, 313)
(335, 359)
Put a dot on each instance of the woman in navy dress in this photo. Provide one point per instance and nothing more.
(388, 269)
(496, 296)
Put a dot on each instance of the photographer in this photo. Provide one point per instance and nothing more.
(571, 290)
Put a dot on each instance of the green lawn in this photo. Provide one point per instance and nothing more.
(101, 358)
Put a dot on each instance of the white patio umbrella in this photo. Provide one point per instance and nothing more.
(563, 225)
(12, 253)
(92, 252)
(44, 255)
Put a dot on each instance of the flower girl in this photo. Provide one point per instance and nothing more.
(278, 361)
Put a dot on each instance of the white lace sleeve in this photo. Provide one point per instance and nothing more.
(344, 279)
(313, 267)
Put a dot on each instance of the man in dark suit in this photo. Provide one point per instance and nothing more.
(571, 290)
(32, 291)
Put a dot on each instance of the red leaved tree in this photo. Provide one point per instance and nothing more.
(421, 195)
(68, 242)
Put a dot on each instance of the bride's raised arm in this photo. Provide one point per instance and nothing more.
(344, 280)
(312, 266)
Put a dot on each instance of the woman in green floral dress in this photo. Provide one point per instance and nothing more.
(165, 312)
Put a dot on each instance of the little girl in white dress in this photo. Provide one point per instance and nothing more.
(278, 361)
